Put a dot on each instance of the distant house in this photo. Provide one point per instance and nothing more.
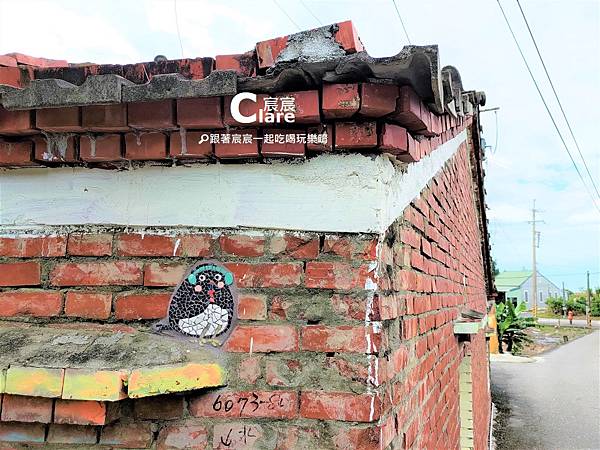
(517, 286)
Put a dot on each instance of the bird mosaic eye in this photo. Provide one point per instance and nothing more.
(218, 277)
(202, 278)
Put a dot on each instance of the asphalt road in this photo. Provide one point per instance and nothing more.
(579, 323)
(552, 403)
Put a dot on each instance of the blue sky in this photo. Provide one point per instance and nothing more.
(528, 162)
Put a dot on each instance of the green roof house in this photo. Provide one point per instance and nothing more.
(517, 286)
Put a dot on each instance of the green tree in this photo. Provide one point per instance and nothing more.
(512, 325)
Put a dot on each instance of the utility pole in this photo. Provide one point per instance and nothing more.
(564, 298)
(534, 245)
(588, 307)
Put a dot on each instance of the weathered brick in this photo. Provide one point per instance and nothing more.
(19, 408)
(267, 404)
(307, 106)
(268, 51)
(90, 244)
(278, 143)
(32, 246)
(341, 338)
(105, 118)
(340, 100)
(20, 274)
(250, 369)
(58, 120)
(336, 275)
(89, 305)
(34, 381)
(377, 100)
(94, 384)
(394, 139)
(240, 245)
(347, 36)
(160, 407)
(117, 273)
(55, 148)
(244, 64)
(261, 339)
(145, 146)
(16, 122)
(408, 109)
(190, 145)
(185, 435)
(127, 435)
(132, 306)
(252, 307)
(71, 434)
(200, 113)
(163, 274)
(22, 432)
(81, 412)
(157, 115)
(274, 275)
(16, 153)
(102, 148)
(136, 244)
(300, 247)
(235, 150)
(351, 135)
(30, 302)
(340, 406)
(326, 144)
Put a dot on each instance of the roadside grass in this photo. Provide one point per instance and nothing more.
(550, 315)
(547, 337)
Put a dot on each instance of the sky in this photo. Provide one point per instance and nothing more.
(525, 160)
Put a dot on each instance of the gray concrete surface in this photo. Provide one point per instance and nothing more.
(552, 402)
(579, 323)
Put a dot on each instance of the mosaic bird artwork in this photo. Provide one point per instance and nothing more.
(203, 305)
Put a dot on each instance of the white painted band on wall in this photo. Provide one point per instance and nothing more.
(330, 193)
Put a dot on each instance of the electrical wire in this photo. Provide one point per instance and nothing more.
(401, 21)
(546, 105)
(177, 26)
(310, 12)
(287, 15)
(558, 99)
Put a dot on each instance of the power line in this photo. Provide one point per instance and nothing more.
(558, 99)
(177, 26)
(287, 15)
(401, 21)
(546, 105)
(310, 12)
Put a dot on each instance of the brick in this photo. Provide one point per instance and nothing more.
(28, 246)
(275, 275)
(186, 435)
(16, 122)
(161, 407)
(158, 115)
(190, 145)
(91, 384)
(366, 438)
(240, 245)
(347, 36)
(334, 275)
(355, 135)
(81, 412)
(16, 153)
(13, 76)
(116, 273)
(145, 146)
(127, 435)
(30, 302)
(340, 100)
(250, 150)
(394, 139)
(106, 147)
(350, 248)
(105, 118)
(90, 244)
(408, 109)
(377, 100)
(239, 435)
(263, 339)
(88, 305)
(342, 338)
(8, 61)
(59, 120)
(152, 381)
(278, 143)
(413, 153)
(295, 246)
(327, 144)
(200, 113)
(265, 404)
(20, 274)
(135, 244)
(268, 51)
(246, 107)
(71, 434)
(34, 382)
(244, 63)
(250, 369)
(340, 406)
(130, 306)
(38, 62)
(163, 274)
(22, 432)
(307, 106)
(18, 408)
(55, 148)
(252, 307)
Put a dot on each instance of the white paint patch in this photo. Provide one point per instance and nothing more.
(330, 193)
(176, 246)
